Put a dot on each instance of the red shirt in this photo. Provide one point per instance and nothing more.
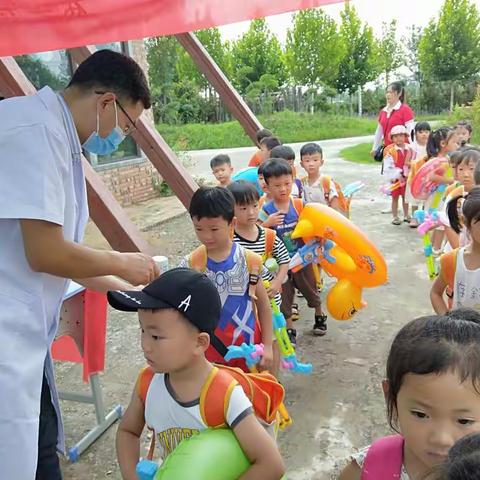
(398, 116)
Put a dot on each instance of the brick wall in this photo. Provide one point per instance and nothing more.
(131, 183)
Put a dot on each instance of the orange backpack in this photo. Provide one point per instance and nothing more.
(262, 389)
(448, 265)
(270, 236)
(342, 200)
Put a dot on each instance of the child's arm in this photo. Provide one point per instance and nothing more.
(260, 449)
(436, 295)
(272, 220)
(128, 437)
(441, 179)
(335, 204)
(351, 472)
(266, 325)
(452, 236)
(276, 283)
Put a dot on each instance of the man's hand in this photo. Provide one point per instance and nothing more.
(266, 363)
(138, 268)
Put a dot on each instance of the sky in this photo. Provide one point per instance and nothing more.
(374, 12)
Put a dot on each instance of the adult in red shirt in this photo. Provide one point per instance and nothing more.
(396, 112)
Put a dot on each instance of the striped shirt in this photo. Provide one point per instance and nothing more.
(279, 253)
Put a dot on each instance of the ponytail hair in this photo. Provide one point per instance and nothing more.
(399, 89)
(435, 139)
(453, 214)
(470, 210)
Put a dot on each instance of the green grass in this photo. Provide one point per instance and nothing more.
(289, 126)
(358, 153)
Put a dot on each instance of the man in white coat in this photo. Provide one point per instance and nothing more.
(43, 212)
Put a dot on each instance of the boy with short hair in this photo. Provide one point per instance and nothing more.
(178, 313)
(235, 272)
(222, 169)
(257, 158)
(287, 153)
(281, 214)
(267, 145)
(316, 187)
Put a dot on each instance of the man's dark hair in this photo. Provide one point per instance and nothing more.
(263, 133)
(244, 193)
(311, 149)
(270, 142)
(220, 159)
(283, 151)
(276, 167)
(107, 70)
(212, 202)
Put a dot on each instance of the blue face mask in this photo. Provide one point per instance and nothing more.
(105, 146)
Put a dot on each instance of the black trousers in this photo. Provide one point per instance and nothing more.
(48, 467)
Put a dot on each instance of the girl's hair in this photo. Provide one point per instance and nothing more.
(420, 127)
(399, 89)
(436, 138)
(470, 209)
(434, 344)
(463, 461)
(244, 193)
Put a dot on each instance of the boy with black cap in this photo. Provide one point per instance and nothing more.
(178, 312)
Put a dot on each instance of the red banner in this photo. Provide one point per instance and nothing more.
(28, 26)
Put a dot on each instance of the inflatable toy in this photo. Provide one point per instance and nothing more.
(422, 187)
(249, 174)
(353, 260)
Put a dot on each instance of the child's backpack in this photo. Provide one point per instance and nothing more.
(342, 200)
(448, 265)
(270, 236)
(262, 389)
(384, 459)
(198, 261)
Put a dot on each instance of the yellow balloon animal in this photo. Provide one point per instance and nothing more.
(358, 263)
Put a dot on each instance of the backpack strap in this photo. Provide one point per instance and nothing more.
(198, 259)
(326, 179)
(143, 383)
(448, 265)
(270, 236)
(384, 459)
(297, 205)
(215, 398)
(254, 265)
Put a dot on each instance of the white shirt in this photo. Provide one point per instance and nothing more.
(41, 177)
(466, 290)
(314, 192)
(173, 421)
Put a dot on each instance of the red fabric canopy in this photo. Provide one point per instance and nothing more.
(28, 26)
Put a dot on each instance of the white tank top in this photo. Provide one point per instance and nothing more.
(466, 290)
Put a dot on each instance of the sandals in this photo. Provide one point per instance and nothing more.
(407, 219)
(413, 223)
(396, 221)
(295, 314)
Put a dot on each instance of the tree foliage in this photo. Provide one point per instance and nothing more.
(390, 54)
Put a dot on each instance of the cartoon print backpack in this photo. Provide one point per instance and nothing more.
(384, 459)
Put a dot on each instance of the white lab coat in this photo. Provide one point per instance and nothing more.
(41, 177)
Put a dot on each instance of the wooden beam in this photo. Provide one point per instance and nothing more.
(120, 232)
(156, 149)
(233, 101)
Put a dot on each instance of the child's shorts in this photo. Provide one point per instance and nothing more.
(305, 281)
(399, 192)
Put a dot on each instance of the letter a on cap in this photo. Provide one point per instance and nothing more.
(185, 304)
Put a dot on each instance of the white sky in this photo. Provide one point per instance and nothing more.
(374, 12)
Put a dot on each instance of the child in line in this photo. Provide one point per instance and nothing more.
(287, 153)
(257, 158)
(262, 241)
(397, 156)
(281, 214)
(420, 136)
(314, 186)
(267, 145)
(266, 196)
(222, 169)
(460, 268)
(464, 132)
(431, 391)
(235, 272)
(178, 313)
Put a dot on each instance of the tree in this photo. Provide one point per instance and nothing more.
(314, 48)
(390, 53)
(449, 49)
(412, 41)
(358, 64)
(255, 54)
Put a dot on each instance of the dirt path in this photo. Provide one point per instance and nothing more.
(336, 409)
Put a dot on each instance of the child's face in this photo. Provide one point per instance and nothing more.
(168, 341)
(246, 215)
(399, 140)
(312, 163)
(223, 174)
(280, 188)
(421, 137)
(263, 184)
(451, 145)
(464, 174)
(264, 152)
(215, 233)
(463, 135)
(434, 411)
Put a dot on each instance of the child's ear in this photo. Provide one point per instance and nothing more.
(385, 388)
(203, 341)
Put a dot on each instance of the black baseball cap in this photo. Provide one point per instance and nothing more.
(184, 289)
